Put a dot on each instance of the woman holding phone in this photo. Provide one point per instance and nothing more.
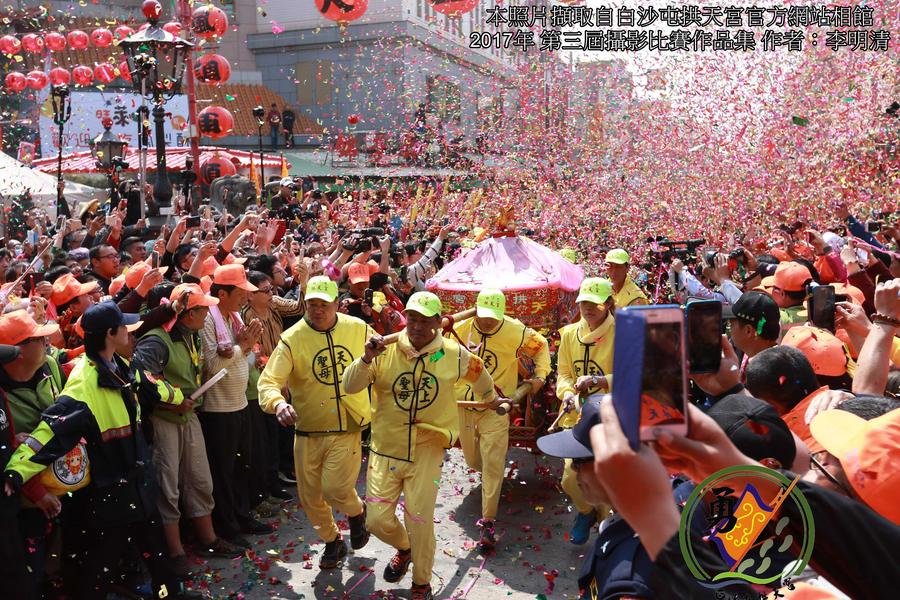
(584, 367)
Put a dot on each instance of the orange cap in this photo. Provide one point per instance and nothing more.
(67, 288)
(824, 351)
(791, 277)
(780, 254)
(230, 259)
(233, 275)
(209, 266)
(17, 326)
(137, 271)
(358, 273)
(868, 451)
(855, 294)
(116, 285)
(195, 295)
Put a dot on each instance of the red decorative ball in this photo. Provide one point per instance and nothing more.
(173, 27)
(32, 43)
(83, 75)
(101, 37)
(10, 44)
(209, 22)
(55, 41)
(78, 39)
(106, 122)
(215, 122)
(37, 80)
(15, 81)
(216, 167)
(104, 73)
(353, 119)
(124, 73)
(212, 68)
(123, 31)
(60, 76)
(343, 11)
(453, 8)
(151, 9)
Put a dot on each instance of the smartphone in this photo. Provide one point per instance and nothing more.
(154, 259)
(873, 226)
(60, 222)
(368, 296)
(821, 307)
(704, 335)
(193, 221)
(650, 371)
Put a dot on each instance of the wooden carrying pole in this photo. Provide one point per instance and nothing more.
(445, 322)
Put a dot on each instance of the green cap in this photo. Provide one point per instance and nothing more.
(321, 288)
(595, 289)
(617, 256)
(569, 254)
(491, 304)
(424, 303)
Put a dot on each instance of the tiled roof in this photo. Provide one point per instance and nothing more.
(240, 99)
(83, 162)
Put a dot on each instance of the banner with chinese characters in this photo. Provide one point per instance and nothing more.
(543, 309)
(89, 108)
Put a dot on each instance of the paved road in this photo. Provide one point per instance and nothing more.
(535, 518)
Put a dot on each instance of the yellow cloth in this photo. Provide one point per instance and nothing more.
(577, 358)
(414, 391)
(484, 437)
(326, 468)
(306, 361)
(630, 295)
(418, 481)
(570, 487)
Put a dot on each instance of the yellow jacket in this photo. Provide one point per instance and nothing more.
(499, 350)
(413, 390)
(306, 360)
(629, 295)
(583, 352)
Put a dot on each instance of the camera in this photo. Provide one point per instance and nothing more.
(663, 250)
(259, 112)
(367, 231)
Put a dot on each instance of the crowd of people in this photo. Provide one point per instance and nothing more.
(155, 378)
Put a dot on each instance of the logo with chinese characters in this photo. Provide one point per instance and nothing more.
(407, 390)
(592, 369)
(756, 520)
(327, 361)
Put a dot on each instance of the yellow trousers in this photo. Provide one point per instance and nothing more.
(484, 437)
(326, 468)
(570, 487)
(418, 481)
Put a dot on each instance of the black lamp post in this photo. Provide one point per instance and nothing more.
(260, 113)
(62, 112)
(155, 59)
(109, 153)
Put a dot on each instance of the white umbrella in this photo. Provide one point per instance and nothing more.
(16, 178)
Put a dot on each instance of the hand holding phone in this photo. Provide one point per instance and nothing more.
(704, 327)
(821, 307)
(193, 221)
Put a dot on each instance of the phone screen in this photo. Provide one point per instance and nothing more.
(821, 307)
(704, 329)
(154, 259)
(663, 380)
(193, 221)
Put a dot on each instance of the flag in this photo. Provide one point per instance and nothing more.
(284, 167)
(751, 515)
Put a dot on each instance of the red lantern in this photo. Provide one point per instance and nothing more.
(37, 80)
(215, 122)
(15, 81)
(209, 22)
(123, 31)
(124, 73)
(78, 39)
(173, 27)
(104, 73)
(212, 68)
(10, 44)
(343, 11)
(60, 76)
(55, 41)
(453, 8)
(101, 37)
(32, 43)
(151, 9)
(216, 167)
(353, 119)
(83, 75)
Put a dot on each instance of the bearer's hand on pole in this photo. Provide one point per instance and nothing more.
(286, 414)
(374, 347)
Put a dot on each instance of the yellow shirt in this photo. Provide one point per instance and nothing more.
(629, 295)
(413, 390)
(311, 363)
(583, 352)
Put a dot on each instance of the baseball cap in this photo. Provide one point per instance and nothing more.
(79, 254)
(18, 325)
(569, 254)
(617, 256)
(759, 309)
(234, 275)
(358, 273)
(321, 288)
(106, 315)
(286, 182)
(791, 277)
(424, 303)
(755, 427)
(116, 285)
(137, 271)
(195, 295)
(490, 304)
(67, 288)
(822, 349)
(868, 452)
(854, 294)
(594, 289)
(575, 442)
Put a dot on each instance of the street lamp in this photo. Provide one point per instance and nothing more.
(155, 59)
(62, 112)
(260, 113)
(109, 153)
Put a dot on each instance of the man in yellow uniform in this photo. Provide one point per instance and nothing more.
(414, 418)
(310, 360)
(625, 291)
(584, 366)
(498, 340)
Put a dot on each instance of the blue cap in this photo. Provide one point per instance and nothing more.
(575, 442)
(106, 315)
